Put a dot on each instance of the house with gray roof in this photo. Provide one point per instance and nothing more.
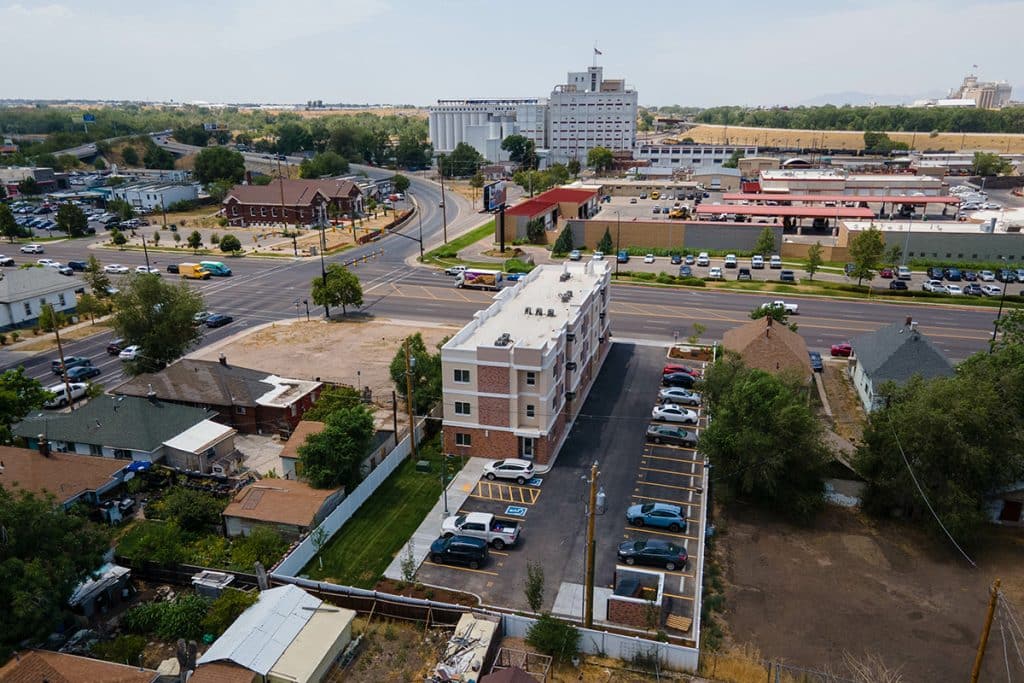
(894, 353)
(24, 292)
(136, 429)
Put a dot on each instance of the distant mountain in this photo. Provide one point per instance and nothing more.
(863, 99)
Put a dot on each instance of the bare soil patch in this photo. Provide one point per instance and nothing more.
(853, 584)
(847, 411)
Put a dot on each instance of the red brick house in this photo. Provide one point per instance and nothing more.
(291, 201)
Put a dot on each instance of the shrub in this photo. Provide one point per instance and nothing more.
(514, 265)
(554, 637)
(180, 618)
(123, 649)
(262, 545)
(3, 339)
(15, 335)
(226, 609)
(214, 238)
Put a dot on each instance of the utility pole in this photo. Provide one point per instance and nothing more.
(323, 268)
(983, 643)
(145, 251)
(409, 365)
(60, 353)
(588, 608)
(444, 204)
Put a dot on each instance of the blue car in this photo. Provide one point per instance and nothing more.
(218, 320)
(816, 363)
(82, 373)
(659, 515)
(514, 277)
(685, 271)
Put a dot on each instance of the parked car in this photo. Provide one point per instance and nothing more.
(82, 373)
(454, 270)
(115, 269)
(885, 273)
(685, 271)
(671, 435)
(757, 261)
(45, 262)
(78, 266)
(679, 379)
(955, 290)
(898, 284)
(130, 352)
(200, 317)
(730, 261)
(658, 515)
(670, 412)
(499, 533)
(973, 289)
(69, 362)
(843, 349)
(597, 256)
(987, 276)
(675, 259)
(510, 468)
(715, 273)
(952, 274)
(1005, 275)
(676, 367)
(116, 346)
(936, 273)
(575, 255)
(775, 261)
(147, 270)
(654, 552)
(787, 276)
(471, 552)
(703, 259)
(689, 260)
(8, 261)
(903, 273)
(679, 396)
(991, 290)
(934, 286)
(744, 274)
(60, 394)
(172, 268)
(32, 249)
(817, 364)
(218, 320)
(970, 276)
(649, 258)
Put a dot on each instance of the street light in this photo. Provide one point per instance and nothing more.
(999, 314)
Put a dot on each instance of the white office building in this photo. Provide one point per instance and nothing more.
(693, 157)
(153, 196)
(589, 111)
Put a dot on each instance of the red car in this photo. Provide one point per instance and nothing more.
(886, 273)
(843, 349)
(670, 369)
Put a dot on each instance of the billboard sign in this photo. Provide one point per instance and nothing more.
(494, 195)
(89, 118)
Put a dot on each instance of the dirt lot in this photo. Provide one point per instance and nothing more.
(852, 139)
(305, 350)
(853, 584)
(847, 411)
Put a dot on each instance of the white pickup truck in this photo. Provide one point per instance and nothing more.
(792, 309)
(482, 525)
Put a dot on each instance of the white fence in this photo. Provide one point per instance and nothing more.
(616, 646)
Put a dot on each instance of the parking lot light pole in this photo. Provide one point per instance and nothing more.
(618, 243)
(588, 608)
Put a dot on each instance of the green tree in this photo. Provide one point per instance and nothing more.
(8, 225)
(225, 609)
(293, 137)
(262, 545)
(734, 159)
(413, 150)
(646, 122)
(814, 260)
(563, 245)
(573, 167)
(332, 399)
(96, 278)
(425, 374)
(99, 164)
(535, 231)
(157, 157)
(66, 162)
(29, 186)
(195, 240)
(866, 249)
(333, 457)
(122, 209)
(765, 442)
(194, 135)
(130, 156)
(160, 542)
(327, 163)
(50, 319)
(158, 316)
(765, 244)
(600, 159)
(118, 238)
(342, 288)
(19, 395)
(219, 189)
(89, 306)
(219, 163)
(72, 220)
(230, 244)
(989, 164)
(521, 151)
(192, 511)
(45, 553)
(777, 313)
(554, 637)
(605, 245)
(463, 161)
(893, 255)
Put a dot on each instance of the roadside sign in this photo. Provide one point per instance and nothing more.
(536, 481)
(515, 511)
(88, 118)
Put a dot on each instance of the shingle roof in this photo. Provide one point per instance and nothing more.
(36, 666)
(28, 283)
(221, 672)
(296, 192)
(282, 501)
(62, 474)
(769, 347)
(896, 352)
(116, 421)
(302, 431)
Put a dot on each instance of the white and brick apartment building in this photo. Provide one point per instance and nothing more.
(516, 376)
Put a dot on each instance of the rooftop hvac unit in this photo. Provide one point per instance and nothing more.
(503, 340)
(564, 276)
(551, 313)
(538, 311)
(529, 311)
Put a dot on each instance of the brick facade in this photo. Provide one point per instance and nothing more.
(486, 443)
(493, 411)
(493, 380)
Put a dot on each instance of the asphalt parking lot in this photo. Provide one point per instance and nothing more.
(552, 509)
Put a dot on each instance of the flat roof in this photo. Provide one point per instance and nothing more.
(947, 227)
(543, 290)
(797, 211)
(818, 198)
(198, 438)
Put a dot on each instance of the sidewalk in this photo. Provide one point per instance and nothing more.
(458, 491)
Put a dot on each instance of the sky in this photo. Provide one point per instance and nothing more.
(418, 51)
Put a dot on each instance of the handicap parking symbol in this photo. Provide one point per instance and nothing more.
(515, 511)
(536, 481)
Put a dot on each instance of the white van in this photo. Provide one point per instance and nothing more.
(60, 395)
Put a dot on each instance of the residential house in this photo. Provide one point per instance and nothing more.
(24, 292)
(770, 346)
(292, 201)
(251, 401)
(69, 478)
(290, 452)
(137, 429)
(36, 666)
(292, 508)
(152, 196)
(288, 635)
(894, 353)
(1006, 506)
(558, 203)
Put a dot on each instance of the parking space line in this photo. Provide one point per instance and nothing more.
(676, 448)
(505, 493)
(666, 486)
(649, 530)
(680, 597)
(673, 472)
(461, 569)
(662, 457)
(498, 552)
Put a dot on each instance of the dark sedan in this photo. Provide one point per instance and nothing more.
(654, 552)
(676, 259)
(672, 435)
(685, 271)
(898, 284)
(116, 346)
(678, 379)
(83, 372)
(218, 320)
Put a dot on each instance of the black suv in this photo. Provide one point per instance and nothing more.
(471, 552)
(952, 274)
(936, 274)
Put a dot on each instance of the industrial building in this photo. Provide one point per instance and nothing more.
(838, 181)
(985, 95)
(693, 157)
(516, 376)
(155, 195)
(956, 241)
(483, 124)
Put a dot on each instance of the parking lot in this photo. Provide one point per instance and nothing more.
(552, 508)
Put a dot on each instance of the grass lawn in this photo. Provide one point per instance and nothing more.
(471, 237)
(361, 551)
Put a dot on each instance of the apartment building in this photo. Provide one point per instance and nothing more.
(517, 375)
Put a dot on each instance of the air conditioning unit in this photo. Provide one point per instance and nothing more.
(570, 395)
(551, 313)
(570, 337)
(600, 340)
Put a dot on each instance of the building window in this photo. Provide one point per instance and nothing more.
(239, 410)
(463, 439)
(531, 411)
(462, 376)
(60, 298)
(252, 210)
(531, 378)
(461, 408)
(234, 210)
(273, 212)
(263, 211)
(28, 308)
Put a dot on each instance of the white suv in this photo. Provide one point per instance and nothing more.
(32, 249)
(757, 261)
(775, 261)
(60, 395)
(703, 259)
(510, 468)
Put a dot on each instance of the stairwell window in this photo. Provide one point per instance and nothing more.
(462, 376)
(463, 439)
(462, 408)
